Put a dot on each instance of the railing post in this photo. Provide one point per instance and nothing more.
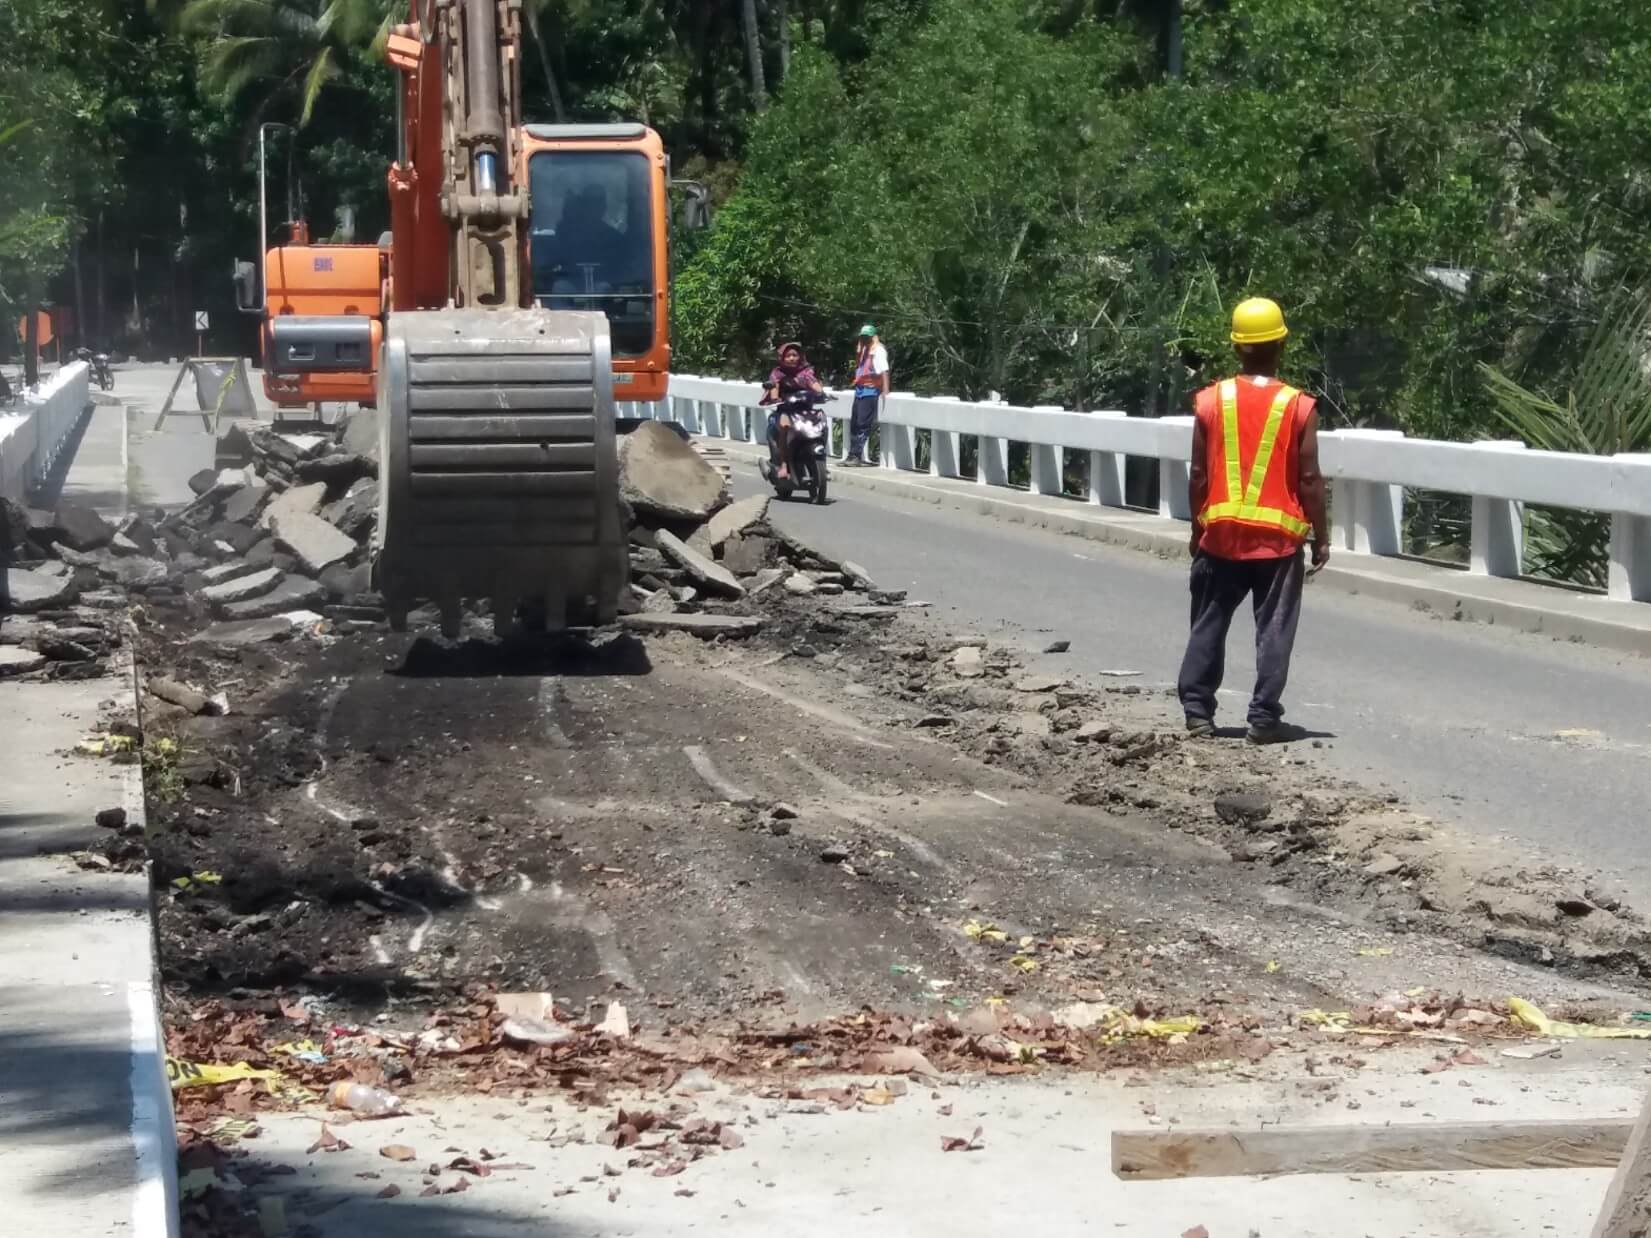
(709, 415)
(1172, 478)
(897, 444)
(1367, 517)
(992, 453)
(1498, 528)
(945, 447)
(1106, 470)
(1045, 459)
(686, 414)
(1629, 578)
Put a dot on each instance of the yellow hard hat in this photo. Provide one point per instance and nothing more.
(1258, 321)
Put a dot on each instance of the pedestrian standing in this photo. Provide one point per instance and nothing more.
(871, 384)
(1256, 492)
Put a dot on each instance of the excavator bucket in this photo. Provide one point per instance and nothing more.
(500, 478)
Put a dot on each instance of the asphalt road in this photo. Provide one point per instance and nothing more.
(1502, 732)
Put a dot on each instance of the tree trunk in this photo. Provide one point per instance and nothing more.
(102, 291)
(753, 53)
(785, 37)
(31, 342)
(557, 110)
(80, 293)
(706, 52)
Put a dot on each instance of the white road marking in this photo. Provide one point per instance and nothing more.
(993, 799)
(552, 695)
(707, 770)
(153, 1203)
(835, 717)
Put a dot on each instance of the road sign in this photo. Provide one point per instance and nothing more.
(201, 321)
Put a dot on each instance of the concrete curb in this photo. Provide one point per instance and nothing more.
(155, 1204)
(1543, 610)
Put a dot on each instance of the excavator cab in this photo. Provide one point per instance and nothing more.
(597, 240)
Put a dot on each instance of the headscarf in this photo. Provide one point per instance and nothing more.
(790, 378)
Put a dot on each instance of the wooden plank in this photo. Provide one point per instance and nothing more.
(1627, 1210)
(1439, 1147)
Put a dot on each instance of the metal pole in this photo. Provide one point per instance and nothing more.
(263, 223)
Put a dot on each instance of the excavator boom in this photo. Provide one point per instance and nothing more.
(497, 415)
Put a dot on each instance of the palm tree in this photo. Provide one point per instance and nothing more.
(1605, 411)
(284, 47)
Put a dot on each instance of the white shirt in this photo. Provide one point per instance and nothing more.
(879, 360)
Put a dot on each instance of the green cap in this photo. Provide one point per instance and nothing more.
(868, 329)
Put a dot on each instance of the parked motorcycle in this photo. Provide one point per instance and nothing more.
(810, 438)
(102, 375)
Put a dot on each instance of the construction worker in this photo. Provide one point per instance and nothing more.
(1256, 493)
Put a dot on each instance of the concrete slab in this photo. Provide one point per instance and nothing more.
(1043, 1166)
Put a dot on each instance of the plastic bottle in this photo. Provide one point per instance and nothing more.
(365, 1101)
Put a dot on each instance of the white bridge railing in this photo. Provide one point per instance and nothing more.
(1369, 470)
(34, 434)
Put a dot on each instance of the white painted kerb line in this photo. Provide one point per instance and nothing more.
(154, 1207)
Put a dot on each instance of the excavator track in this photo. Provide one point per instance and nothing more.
(501, 478)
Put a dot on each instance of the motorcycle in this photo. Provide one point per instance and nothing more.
(102, 375)
(810, 437)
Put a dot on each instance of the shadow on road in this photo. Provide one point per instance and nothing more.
(569, 655)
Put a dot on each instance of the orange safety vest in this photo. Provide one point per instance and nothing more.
(1251, 433)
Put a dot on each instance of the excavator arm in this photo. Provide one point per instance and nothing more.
(499, 474)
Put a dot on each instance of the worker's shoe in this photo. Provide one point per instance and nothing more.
(1268, 733)
(1200, 728)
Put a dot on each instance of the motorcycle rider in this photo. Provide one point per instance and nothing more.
(791, 375)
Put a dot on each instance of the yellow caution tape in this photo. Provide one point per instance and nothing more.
(183, 1074)
(1527, 1015)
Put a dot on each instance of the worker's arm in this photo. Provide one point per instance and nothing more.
(1198, 485)
(1310, 486)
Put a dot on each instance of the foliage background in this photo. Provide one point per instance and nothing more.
(1051, 199)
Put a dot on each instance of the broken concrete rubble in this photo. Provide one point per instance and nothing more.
(28, 590)
(315, 543)
(706, 572)
(81, 528)
(299, 500)
(706, 626)
(241, 587)
(662, 476)
(736, 518)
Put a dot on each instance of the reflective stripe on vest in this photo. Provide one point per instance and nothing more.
(1248, 509)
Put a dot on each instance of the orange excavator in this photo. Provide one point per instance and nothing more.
(522, 283)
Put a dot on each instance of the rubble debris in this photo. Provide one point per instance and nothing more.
(314, 542)
(15, 661)
(292, 593)
(704, 571)
(80, 528)
(662, 476)
(29, 590)
(296, 501)
(191, 700)
(736, 518)
(1242, 807)
(241, 587)
(1057, 646)
(800, 584)
(704, 626)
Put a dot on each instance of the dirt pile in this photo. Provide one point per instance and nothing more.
(1341, 845)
